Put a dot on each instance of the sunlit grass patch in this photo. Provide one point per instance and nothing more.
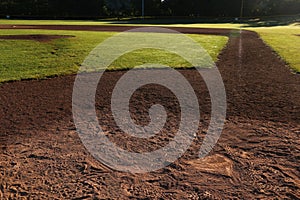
(285, 40)
(22, 59)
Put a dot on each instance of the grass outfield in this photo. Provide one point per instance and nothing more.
(30, 59)
(124, 23)
(21, 59)
(285, 40)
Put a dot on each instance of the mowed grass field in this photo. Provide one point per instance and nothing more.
(26, 59)
(285, 40)
(122, 23)
(21, 59)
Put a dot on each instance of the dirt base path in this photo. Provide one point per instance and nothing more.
(257, 155)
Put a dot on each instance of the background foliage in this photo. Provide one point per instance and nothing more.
(131, 8)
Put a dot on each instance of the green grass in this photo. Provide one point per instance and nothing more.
(124, 23)
(29, 59)
(283, 40)
(212, 44)
(21, 59)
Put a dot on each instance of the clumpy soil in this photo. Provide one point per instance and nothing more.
(257, 156)
(39, 38)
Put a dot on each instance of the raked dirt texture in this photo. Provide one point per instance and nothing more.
(257, 156)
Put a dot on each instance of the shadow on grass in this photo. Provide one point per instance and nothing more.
(246, 22)
(272, 21)
(171, 21)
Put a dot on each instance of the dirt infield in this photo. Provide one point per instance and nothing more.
(257, 156)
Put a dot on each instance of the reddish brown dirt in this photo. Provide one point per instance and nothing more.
(39, 38)
(257, 156)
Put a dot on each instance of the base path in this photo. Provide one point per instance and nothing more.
(257, 155)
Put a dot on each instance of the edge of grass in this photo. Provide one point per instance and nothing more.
(23, 60)
(283, 40)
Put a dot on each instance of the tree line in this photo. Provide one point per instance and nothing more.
(133, 8)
